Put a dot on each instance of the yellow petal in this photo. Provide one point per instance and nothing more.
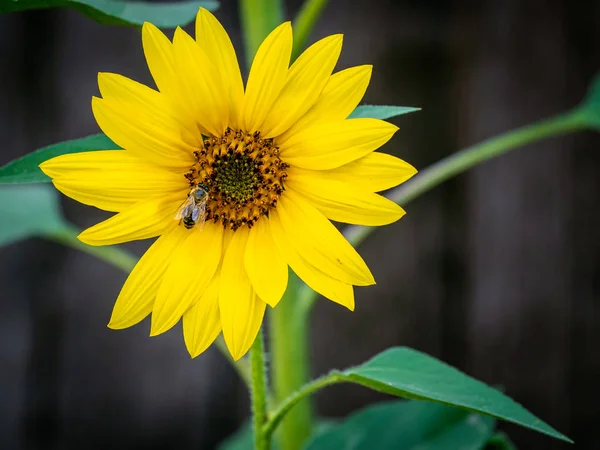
(192, 267)
(111, 180)
(97, 199)
(341, 201)
(339, 98)
(266, 268)
(143, 134)
(146, 219)
(137, 295)
(334, 290)
(202, 323)
(374, 172)
(267, 77)
(160, 58)
(207, 94)
(125, 90)
(136, 96)
(100, 161)
(319, 243)
(305, 82)
(227, 235)
(329, 145)
(213, 39)
(242, 311)
(168, 76)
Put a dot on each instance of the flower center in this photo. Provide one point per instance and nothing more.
(242, 175)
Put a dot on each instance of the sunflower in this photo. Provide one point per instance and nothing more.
(237, 183)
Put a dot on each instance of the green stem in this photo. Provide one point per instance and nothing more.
(290, 364)
(304, 23)
(259, 393)
(115, 256)
(462, 161)
(259, 18)
(296, 397)
(465, 159)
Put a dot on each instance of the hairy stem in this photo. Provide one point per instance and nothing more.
(292, 400)
(259, 393)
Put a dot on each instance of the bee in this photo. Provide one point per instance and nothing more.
(193, 210)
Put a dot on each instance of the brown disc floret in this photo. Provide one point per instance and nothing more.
(243, 175)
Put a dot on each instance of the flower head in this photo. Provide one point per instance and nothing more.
(237, 183)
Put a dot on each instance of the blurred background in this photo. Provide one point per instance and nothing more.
(496, 272)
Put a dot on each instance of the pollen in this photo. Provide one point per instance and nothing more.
(243, 175)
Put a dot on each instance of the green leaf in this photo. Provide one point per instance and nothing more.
(27, 211)
(500, 441)
(380, 111)
(407, 425)
(117, 12)
(242, 438)
(26, 170)
(590, 108)
(411, 374)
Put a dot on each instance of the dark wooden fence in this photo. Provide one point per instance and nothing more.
(496, 272)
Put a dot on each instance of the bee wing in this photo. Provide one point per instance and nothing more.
(195, 213)
(183, 209)
(200, 215)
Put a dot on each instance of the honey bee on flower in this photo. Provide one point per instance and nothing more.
(238, 183)
(192, 211)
